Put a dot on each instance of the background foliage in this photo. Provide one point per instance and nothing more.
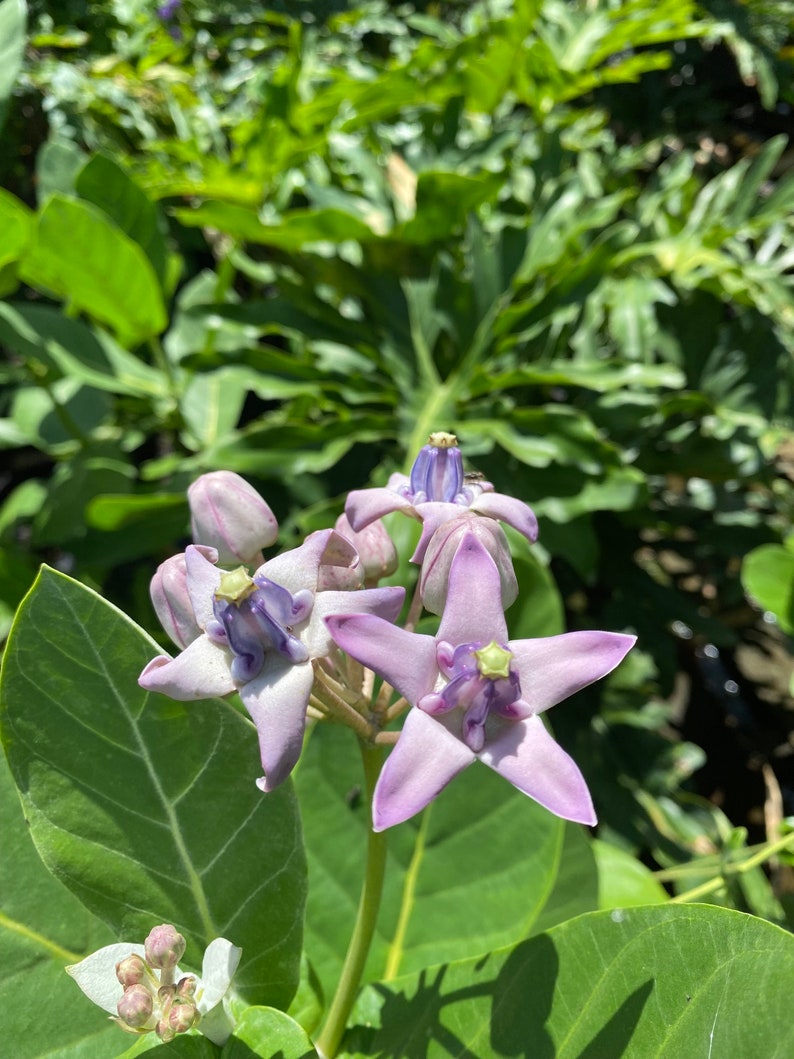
(291, 239)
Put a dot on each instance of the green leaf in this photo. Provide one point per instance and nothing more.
(638, 983)
(768, 576)
(212, 402)
(57, 165)
(80, 255)
(71, 348)
(623, 881)
(268, 1034)
(13, 24)
(42, 929)
(147, 808)
(16, 222)
(480, 845)
(105, 183)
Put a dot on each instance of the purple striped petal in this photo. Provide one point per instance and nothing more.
(554, 667)
(527, 756)
(407, 660)
(422, 763)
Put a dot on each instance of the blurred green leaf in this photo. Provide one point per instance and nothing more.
(81, 256)
(13, 24)
(768, 577)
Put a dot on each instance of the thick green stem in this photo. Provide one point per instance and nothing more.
(327, 1043)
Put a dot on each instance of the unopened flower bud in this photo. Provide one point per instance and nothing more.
(434, 579)
(164, 947)
(182, 1016)
(171, 601)
(136, 1006)
(340, 569)
(165, 1031)
(131, 970)
(376, 551)
(186, 987)
(228, 514)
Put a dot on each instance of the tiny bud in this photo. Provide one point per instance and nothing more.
(164, 947)
(376, 551)
(165, 1031)
(136, 1006)
(131, 970)
(434, 579)
(182, 1016)
(186, 987)
(228, 514)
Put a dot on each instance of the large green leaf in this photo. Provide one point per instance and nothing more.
(146, 808)
(268, 1034)
(641, 983)
(80, 255)
(474, 871)
(42, 929)
(768, 576)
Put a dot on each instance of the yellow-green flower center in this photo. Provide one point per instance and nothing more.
(235, 586)
(493, 661)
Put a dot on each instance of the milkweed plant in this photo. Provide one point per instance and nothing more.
(160, 786)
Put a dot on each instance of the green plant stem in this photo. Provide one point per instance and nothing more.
(330, 1036)
(735, 869)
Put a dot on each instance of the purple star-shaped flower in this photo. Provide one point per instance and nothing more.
(477, 694)
(437, 490)
(260, 634)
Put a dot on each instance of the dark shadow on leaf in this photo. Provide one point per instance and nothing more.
(613, 1038)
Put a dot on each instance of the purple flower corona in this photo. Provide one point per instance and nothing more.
(478, 695)
(436, 491)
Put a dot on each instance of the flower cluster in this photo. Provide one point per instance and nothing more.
(273, 634)
(143, 989)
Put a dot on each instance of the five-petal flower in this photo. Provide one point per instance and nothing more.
(260, 634)
(477, 694)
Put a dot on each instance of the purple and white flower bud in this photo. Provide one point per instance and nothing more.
(132, 970)
(376, 552)
(443, 546)
(136, 1007)
(171, 600)
(228, 514)
(164, 947)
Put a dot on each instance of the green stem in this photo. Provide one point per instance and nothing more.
(327, 1043)
(739, 868)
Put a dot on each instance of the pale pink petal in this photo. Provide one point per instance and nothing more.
(510, 510)
(299, 568)
(277, 701)
(422, 763)
(554, 667)
(473, 610)
(365, 505)
(203, 577)
(527, 756)
(433, 514)
(386, 603)
(201, 671)
(96, 974)
(406, 660)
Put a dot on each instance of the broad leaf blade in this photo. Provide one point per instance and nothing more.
(147, 809)
(642, 983)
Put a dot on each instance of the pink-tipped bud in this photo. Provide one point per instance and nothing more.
(164, 947)
(228, 514)
(376, 551)
(182, 1016)
(186, 987)
(434, 579)
(132, 970)
(136, 1007)
(171, 601)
